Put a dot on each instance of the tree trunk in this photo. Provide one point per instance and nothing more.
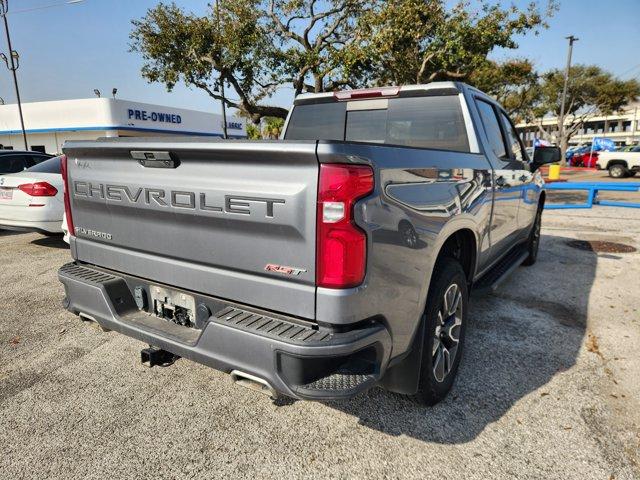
(564, 144)
(561, 140)
(257, 112)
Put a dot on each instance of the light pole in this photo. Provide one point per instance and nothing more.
(221, 83)
(571, 39)
(13, 62)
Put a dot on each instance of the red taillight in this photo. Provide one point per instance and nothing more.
(366, 93)
(342, 246)
(38, 189)
(67, 199)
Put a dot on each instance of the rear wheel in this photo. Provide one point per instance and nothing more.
(617, 171)
(445, 317)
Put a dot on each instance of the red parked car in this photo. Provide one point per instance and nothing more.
(585, 159)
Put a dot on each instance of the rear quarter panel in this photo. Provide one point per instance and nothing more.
(436, 193)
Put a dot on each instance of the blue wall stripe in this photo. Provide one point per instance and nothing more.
(133, 129)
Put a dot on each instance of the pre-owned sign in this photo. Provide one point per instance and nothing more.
(146, 116)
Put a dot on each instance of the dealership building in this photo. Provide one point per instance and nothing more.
(623, 127)
(50, 124)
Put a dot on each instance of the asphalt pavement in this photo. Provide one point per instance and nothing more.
(549, 386)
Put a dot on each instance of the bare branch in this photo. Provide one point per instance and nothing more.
(423, 66)
(285, 30)
(322, 39)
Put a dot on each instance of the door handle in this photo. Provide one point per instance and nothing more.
(154, 159)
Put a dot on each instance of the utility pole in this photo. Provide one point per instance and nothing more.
(634, 125)
(221, 80)
(571, 39)
(14, 61)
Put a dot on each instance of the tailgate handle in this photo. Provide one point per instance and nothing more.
(155, 159)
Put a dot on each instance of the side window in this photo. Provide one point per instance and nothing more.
(492, 128)
(12, 164)
(514, 145)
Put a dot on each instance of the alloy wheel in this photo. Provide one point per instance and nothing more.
(447, 333)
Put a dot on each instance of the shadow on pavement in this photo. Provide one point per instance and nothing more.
(8, 233)
(54, 241)
(518, 339)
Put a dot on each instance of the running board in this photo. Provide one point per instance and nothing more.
(491, 280)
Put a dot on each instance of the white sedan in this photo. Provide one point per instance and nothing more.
(32, 200)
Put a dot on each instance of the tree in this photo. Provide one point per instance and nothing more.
(513, 83)
(272, 127)
(418, 41)
(314, 38)
(590, 91)
(257, 46)
(253, 132)
(228, 45)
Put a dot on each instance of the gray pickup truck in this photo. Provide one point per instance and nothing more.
(318, 266)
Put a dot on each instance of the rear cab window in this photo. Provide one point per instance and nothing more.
(435, 122)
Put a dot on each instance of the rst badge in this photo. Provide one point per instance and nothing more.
(272, 267)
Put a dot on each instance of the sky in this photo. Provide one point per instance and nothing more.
(67, 51)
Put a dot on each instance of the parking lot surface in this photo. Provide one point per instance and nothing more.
(549, 386)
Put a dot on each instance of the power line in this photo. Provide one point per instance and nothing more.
(628, 71)
(43, 7)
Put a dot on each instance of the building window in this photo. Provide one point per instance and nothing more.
(626, 126)
(38, 148)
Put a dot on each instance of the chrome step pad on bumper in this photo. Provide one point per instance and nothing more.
(297, 358)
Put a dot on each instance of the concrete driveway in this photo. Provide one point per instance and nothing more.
(549, 386)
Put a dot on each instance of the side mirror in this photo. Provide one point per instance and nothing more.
(545, 155)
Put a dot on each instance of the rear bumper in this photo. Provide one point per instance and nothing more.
(296, 358)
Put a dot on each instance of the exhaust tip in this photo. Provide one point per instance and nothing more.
(254, 383)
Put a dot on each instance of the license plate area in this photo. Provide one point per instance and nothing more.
(6, 193)
(173, 306)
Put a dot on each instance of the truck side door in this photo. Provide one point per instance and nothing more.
(506, 188)
(530, 191)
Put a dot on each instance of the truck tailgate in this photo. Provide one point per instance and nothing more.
(220, 218)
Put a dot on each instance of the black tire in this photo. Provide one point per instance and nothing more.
(436, 373)
(533, 244)
(617, 171)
